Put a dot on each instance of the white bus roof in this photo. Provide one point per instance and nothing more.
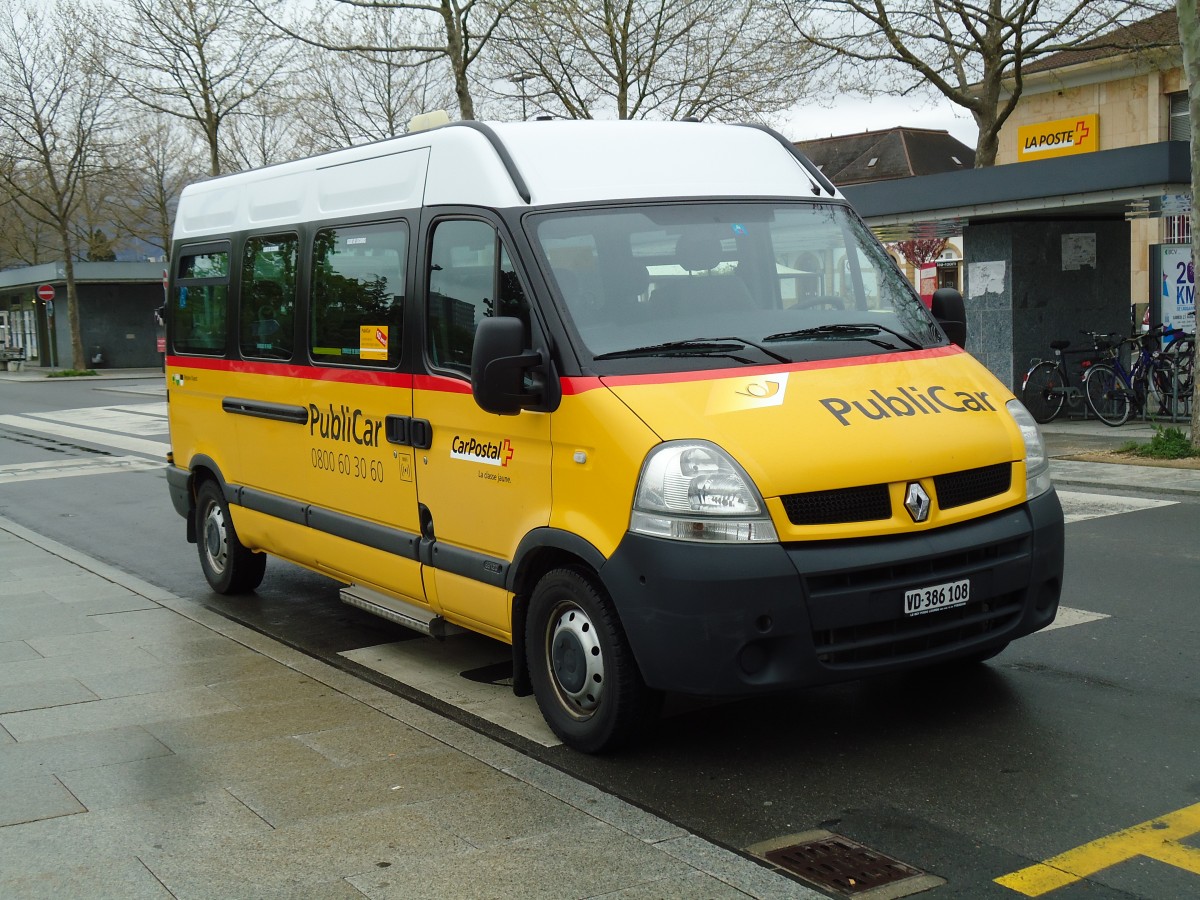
(548, 162)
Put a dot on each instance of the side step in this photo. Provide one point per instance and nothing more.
(418, 618)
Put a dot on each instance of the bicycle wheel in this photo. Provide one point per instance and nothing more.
(1043, 393)
(1106, 395)
(1164, 387)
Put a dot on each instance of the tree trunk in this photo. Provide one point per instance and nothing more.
(79, 359)
(1189, 38)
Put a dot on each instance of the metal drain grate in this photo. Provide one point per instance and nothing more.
(840, 864)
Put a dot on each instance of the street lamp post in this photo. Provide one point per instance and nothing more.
(519, 80)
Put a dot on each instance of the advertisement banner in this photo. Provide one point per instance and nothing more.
(1177, 300)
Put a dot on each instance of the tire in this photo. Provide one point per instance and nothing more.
(583, 673)
(229, 566)
(1043, 394)
(1164, 387)
(1106, 395)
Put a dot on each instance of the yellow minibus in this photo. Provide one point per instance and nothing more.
(644, 400)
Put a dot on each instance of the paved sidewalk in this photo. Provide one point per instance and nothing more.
(151, 748)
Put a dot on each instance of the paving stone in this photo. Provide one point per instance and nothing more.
(388, 784)
(687, 887)
(43, 694)
(80, 751)
(76, 665)
(224, 766)
(27, 623)
(307, 860)
(127, 879)
(162, 677)
(27, 798)
(282, 686)
(585, 861)
(248, 725)
(100, 715)
(16, 651)
(376, 740)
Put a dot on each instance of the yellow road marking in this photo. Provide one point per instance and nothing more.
(1158, 839)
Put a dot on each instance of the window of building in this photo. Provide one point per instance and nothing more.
(358, 294)
(1177, 230)
(1180, 122)
(199, 312)
(268, 291)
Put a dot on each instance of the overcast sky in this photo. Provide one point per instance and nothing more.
(853, 114)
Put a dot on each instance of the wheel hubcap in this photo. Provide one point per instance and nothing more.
(576, 661)
(214, 538)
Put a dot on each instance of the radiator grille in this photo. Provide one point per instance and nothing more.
(855, 504)
(961, 488)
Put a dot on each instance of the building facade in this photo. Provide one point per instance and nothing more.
(1097, 98)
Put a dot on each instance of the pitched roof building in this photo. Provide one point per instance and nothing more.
(882, 155)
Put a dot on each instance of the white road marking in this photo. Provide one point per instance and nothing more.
(1079, 506)
(1067, 617)
(67, 468)
(157, 449)
(436, 668)
(142, 419)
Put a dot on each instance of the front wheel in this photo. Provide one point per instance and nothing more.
(1106, 395)
(584, 676)
(229, 566)
(1044, 392)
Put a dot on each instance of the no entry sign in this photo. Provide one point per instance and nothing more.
(45, 292)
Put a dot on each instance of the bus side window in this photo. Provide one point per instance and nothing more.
(358, 294)
(471, 277)
(268, 297)
(199, 311)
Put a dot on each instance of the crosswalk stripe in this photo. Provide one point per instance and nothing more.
(157, 449)
(143, 419)
(67, 468)
(1078, 506)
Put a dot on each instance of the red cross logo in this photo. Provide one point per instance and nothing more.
(507, 452)
(1081, 131)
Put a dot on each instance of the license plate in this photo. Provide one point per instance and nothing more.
(938, 596)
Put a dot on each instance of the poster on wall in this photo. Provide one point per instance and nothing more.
(1177, 299)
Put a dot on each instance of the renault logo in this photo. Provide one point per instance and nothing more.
(916, 501)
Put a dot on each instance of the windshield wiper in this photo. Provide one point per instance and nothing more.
(864, 331)
(720, 346)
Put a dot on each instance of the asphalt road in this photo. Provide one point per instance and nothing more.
(1070, 736)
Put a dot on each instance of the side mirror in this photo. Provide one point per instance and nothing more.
(951, 314)
(499, 361)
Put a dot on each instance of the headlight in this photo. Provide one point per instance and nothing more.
(694, 491)
(1037, 465)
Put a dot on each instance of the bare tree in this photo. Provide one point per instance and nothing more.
(200, 61)
(1189, 39)
(971, 51)
(447, 30)
(55, 109)
(158, 163)
(637, 59)
(356, 96)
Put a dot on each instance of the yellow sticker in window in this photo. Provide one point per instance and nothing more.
(373, 342)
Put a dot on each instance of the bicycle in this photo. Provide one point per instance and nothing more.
(1048, 385)
(1114, 393)
(1181, 351)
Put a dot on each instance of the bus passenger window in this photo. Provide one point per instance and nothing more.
(199, 311)
(358, 294)
(471, 277)
(268, 297)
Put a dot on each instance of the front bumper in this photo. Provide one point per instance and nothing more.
(726, 620)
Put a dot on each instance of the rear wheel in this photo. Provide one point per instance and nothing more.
(229, 566)
(1044, 392)
(582, 669)
(1106, 395)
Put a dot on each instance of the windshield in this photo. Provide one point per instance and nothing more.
(728, 284)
